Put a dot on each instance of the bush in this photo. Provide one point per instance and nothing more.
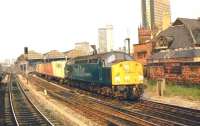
(191, 92)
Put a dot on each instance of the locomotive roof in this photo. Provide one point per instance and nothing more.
(100, 55)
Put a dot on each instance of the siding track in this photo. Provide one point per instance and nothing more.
(24, 111)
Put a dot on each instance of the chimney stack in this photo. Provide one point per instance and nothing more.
(25, 50)
(94, 49)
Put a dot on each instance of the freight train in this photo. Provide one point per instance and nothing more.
(113, 74)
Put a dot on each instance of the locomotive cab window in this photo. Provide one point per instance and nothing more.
(117, 57)
(81, 61)
(123, 57)
(102, 63)
(93, 61)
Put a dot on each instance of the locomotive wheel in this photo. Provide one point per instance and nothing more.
(125, 95)
(137, 92)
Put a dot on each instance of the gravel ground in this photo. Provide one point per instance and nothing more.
(66, 115)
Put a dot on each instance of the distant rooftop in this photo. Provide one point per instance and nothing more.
(54, 54)
(32, 55)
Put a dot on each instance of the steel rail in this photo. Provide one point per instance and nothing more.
(122, 111)
(11, 104)
(44, 117)
(172, 114)
(138, 113)
(128, 111)
(90, 108)
(46, 121)
(169, 106)
(73, 105)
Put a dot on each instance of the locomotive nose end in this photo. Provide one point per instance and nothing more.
(127, 73)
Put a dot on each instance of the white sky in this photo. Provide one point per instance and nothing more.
(43, 25)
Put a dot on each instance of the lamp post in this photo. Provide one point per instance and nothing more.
(26, 67)
(27, 63)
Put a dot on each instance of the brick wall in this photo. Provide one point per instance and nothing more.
(176, 72)
(191, 73)
(144, 34)
(142, 52)
(156, 72)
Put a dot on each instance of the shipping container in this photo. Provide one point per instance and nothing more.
(48, 69)
(58, 68)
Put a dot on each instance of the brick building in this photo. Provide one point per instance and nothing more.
(176, 54)
(144, 49)
(142, 52)
(144, 34)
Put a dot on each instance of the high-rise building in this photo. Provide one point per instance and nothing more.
(105, 36)
(156, 14)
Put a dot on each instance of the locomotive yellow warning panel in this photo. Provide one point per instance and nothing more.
(127, 73)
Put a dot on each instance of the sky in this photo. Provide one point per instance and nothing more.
(44, 25)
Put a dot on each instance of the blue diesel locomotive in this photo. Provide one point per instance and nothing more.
(112, 74)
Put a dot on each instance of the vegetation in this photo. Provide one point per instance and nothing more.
(151, 85)
(172, 89)
(192, 93)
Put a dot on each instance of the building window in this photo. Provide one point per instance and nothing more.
(162, 42)
(141, 54)
(173, 69)
(176, 70)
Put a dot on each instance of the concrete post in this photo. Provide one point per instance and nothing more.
(160, 87)
(45, 92)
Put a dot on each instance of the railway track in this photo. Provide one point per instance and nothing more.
(24, 111)
(194, 113)
(179, 114)
(6, 115)
(98, 115)
(153, 114)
